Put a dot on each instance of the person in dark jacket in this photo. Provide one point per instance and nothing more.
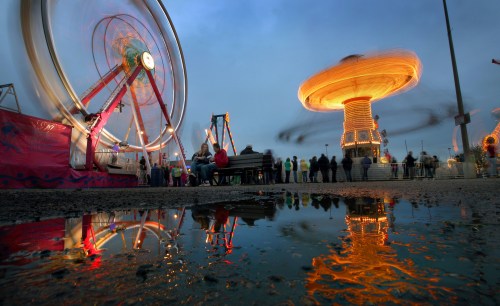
(333, 167)
(247, 177)
(278, 166)
(313, 169)
(410, 164)
(324, 167)
(347, 165)
(248, 150)
(295, 168)
(269, 168)
(366, 163)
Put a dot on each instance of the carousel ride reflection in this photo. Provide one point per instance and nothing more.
(364, 267)
(92, 236)
(220, 222)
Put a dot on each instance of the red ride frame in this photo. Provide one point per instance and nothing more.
(103, 116)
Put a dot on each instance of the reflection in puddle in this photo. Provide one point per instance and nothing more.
(364, 267)
(296, 248)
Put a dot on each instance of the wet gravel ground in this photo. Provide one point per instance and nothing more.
(28, 204)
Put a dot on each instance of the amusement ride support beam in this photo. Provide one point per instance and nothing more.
(216, 131)
(209, 129)
(230, 241)
(226, 121)
(223, 133)
(139, 115)
(138, 242)
(166, 115)
(231, 138)
(102, 117)
(141, 140)
(99, 85)
(129, 128)
(181, 221)
(10, 90)
(463, 126)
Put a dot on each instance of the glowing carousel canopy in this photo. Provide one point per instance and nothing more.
(352, 85)
(371, 77)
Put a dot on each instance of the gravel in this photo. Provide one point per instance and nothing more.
(22, 205)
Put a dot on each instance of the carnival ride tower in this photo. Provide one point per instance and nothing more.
(213, 132)
(355, 83)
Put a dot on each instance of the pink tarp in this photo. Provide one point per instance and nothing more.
(35, 154)
(36, 236)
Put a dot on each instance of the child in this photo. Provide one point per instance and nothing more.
(176, 176)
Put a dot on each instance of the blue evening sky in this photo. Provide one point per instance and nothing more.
(249, 58)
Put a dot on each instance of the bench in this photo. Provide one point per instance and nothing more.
(246, 166)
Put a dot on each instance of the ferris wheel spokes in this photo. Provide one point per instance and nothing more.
(100, 84)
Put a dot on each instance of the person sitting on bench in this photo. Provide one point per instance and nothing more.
(200, 159)
(246, 178)
(220, 160)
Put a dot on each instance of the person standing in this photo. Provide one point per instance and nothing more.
(269, 170)
(394, 167)
(116, 149)
(491, 152)
(410, 165)
(176, 176)
(366, 163)
(314, 169)
(420, 165)
(324, 167)
(347, 165)
(304, 167)
(427, 164)
(295, 165)
(288, 167)
(166, 174)
(142, 171)
(435, 165)
(333, 167)
(279, 170)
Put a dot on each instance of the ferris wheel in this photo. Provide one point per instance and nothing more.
(113, 69)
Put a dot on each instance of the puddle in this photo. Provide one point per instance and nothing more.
(289, 248)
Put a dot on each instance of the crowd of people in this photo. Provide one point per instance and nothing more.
(294, 170)
(309, 170)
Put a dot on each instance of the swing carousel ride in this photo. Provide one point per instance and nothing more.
(114, 71)
(355, 83)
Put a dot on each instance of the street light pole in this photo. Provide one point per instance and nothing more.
(326, 149)
(463, 125)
